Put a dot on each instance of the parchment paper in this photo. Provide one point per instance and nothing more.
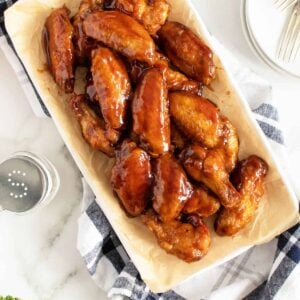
(278, 210)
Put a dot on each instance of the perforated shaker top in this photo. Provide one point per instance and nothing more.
(22, 184)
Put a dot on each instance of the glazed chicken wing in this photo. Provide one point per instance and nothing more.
(151, 121)
(121, 33)
(175, 80)
(84, 45)
(187, 52)
(197, 117)
(87, 6)
(112, 87)
(201, 202)
(57, 38)
(178, 82)
(152, 14)
(248, 179)
(230, 145)
(131, 178)
(91, 125)
(208, 167)
(184, 240)
(171, 188)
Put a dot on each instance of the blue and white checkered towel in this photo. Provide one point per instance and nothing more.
(269, 271)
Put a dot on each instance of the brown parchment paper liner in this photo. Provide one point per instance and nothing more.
(278, 211)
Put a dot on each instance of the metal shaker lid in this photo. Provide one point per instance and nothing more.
(23, 182)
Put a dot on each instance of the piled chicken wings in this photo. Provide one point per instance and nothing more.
(176, 154)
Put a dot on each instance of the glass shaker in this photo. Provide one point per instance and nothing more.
(27, 181)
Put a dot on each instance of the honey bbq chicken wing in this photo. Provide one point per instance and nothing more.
(201, 202)
(83, 44)
(112, 87)
(175, 80)
(57, 39)
(184, 240)
(131, 178)
(230, 145)
(150, 113)
(209, 167)
(179, 82)
(88, 6)
(197, 117)
(187, 52)
(171, 188)
(122, 33)
(92, 126)
(151, 14)
(248, 179)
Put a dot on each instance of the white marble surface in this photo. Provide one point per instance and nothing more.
(38, 256)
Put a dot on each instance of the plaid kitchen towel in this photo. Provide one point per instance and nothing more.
(269, 271)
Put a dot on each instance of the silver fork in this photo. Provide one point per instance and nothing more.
(290, 40)
(284, 4)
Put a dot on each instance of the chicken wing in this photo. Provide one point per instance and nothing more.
(131, 178)
(122, 33)
(57, 40)
(178, 82)
(88, 6)
(112, 86)
(171, 188)
(230, 145)
(181, 239)
(197, 117)
(92, 126)
(84, 45)
(187, 52)
(248, 179)
(150, 113)
(175, 80)
(152, 14)
(208, 167)
(201, 202)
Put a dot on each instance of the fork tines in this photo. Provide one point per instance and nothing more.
(290, 40)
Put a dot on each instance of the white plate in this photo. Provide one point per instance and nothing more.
(264, 24)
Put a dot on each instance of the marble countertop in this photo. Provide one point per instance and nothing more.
(38, 255)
